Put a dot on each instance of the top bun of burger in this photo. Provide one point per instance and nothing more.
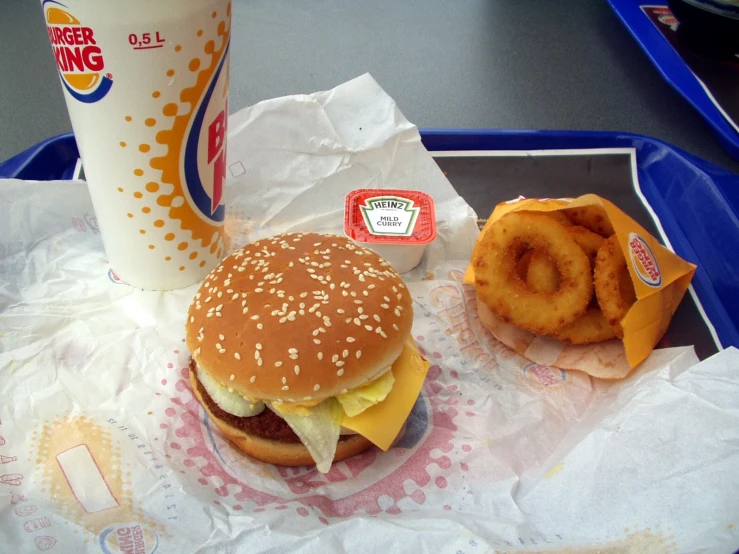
(299, 317)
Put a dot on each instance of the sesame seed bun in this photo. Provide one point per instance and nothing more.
(299, 317)
(277, 452)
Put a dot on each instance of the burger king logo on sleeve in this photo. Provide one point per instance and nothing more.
(78, 56)
(128, 539)
(644, 262)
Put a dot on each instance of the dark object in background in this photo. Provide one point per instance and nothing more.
(708, 27)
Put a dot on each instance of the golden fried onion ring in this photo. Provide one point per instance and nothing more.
(587, 329)
(591, 217)
(610, 272)
(498, 285)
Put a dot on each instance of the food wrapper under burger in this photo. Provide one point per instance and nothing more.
(575, 284)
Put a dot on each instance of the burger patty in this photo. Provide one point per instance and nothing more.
(267, 425)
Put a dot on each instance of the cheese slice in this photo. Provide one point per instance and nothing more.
(382, 422)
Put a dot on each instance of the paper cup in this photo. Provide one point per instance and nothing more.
(146, 86)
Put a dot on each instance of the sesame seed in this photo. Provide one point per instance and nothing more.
(254, 317)
(364, 292)
(297, 370)
(197, 351)
(340, 311)
(192, 319)
(222, 351)
(376, 317)
(253, 378)
(317, 387)
(386, 299)
(320, 355)
(232, 377)
(237, 355)
(397, 312)
(350, 339)
(358, 302)
(219, 307)
(395, 327)
(284, 380)
(278, 364)
(218, 345)
(292, 351)
(285, 388)
(339, 364)
(345, 353)
(344, 293)
(356, 321)
(207, 300)
(260, 326)
(221, 337)
(317, 341)
(259, 362)
(384, 306)
(335, 358)
(368, 327)
(363, 317)
(340, 372)
(359, 354)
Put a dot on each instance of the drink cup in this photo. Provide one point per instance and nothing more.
(146, 87)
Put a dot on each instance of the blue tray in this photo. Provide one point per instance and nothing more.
(674, 69)
(697, 203)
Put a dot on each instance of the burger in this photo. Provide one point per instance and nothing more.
(301, 350)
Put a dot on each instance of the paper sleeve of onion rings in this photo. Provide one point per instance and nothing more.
(575, 284)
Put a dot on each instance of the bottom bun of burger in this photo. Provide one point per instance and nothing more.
(274, 451)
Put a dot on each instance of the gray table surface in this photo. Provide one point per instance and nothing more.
(506, 64)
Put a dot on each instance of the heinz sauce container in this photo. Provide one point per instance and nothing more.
(397, 224)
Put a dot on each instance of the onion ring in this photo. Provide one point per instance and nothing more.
(542, 274)
(586, 239)
(591, 217)
(591, 327)
(522, 269)
(610, 271)
(502, 290)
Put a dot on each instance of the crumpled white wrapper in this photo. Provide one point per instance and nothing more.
(102, 448)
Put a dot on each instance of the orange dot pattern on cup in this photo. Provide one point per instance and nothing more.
(166, 191)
